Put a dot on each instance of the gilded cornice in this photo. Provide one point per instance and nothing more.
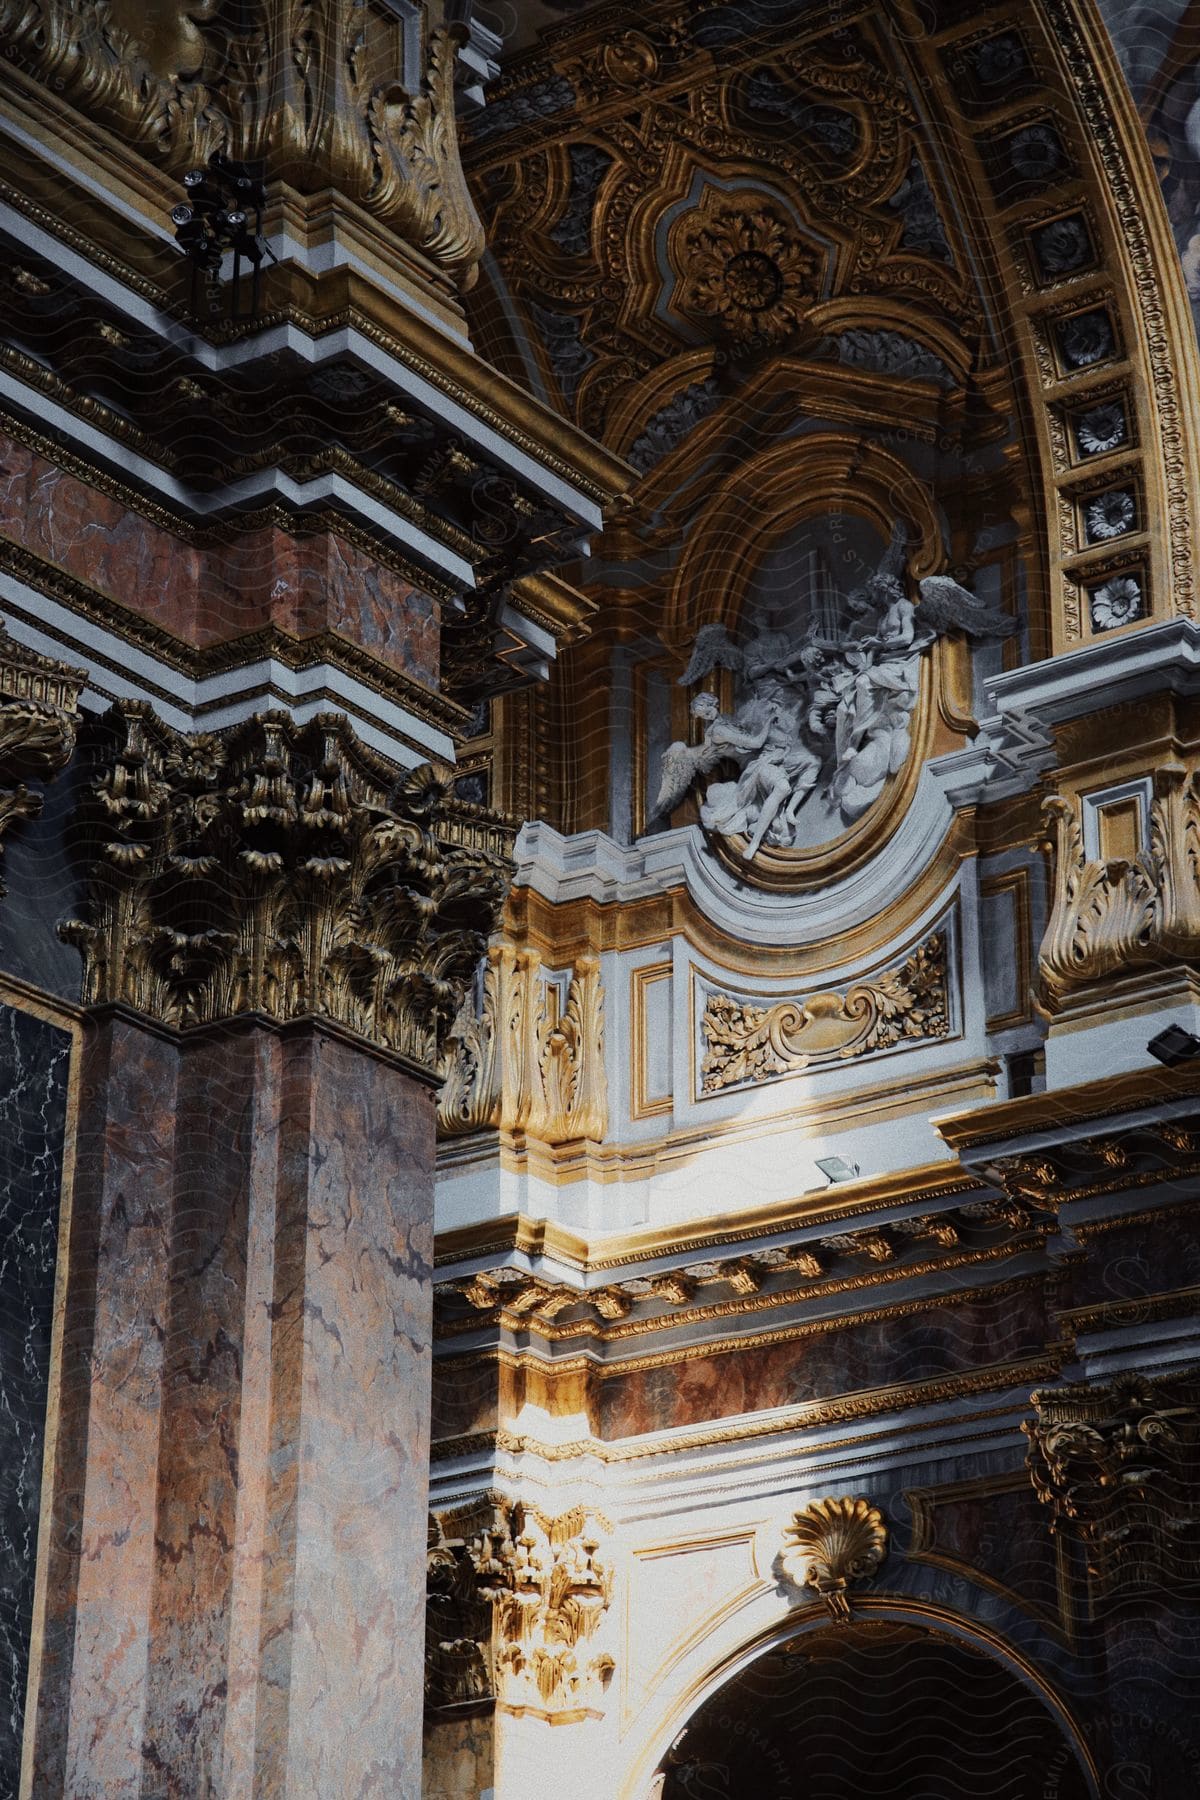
(525, 1304)
(281, 870)
(1061, 1109)
(1112, 1315)
(618, 1329)
(933, 1183)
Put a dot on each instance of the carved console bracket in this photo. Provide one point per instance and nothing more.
(516, 1605)
(526, 1053)
(38, 720)
(831, 1546)
(747, 1043)
(324, 98)
(1114, 915)
(1118, 1465)
(282, 869)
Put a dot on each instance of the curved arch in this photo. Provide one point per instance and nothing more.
(809, 1619)
(799, 479)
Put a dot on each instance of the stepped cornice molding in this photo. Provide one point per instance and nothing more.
(436, 374)
(125, 657)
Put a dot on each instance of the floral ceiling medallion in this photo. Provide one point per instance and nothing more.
(743, 268)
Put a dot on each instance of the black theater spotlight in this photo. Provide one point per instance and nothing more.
(1174, 1046)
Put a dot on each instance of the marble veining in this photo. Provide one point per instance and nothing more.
(34, 1064)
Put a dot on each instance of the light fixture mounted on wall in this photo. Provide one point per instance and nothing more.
(836, 1168)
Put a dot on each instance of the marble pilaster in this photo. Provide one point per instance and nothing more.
(237, 1590)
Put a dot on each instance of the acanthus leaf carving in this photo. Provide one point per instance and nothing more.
(38, 721)
(1118, 1467)
(516, 1605)
(1117, 914)
(318, 93)
(747, 1043)
(522, 1060)
(282, 869)
(832, 1545)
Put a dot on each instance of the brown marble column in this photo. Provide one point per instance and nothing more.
(236, 1576)
(238, 1590)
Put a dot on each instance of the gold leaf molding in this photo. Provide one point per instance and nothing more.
(526, 1056)
(747, 1043)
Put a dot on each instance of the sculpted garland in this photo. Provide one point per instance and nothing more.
(821, 714)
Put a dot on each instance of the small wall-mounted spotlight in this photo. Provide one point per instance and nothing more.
(836, 1168)
(1174, 1046)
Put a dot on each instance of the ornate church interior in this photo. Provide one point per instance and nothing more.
(600, 925)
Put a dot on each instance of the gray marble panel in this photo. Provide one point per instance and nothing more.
(34, 1066)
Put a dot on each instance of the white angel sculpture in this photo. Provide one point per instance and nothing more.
(830, 713)
(724, 740)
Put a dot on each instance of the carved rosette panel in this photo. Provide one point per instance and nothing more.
(516, 1607)
(1118, 1467)
(747, 1043)
(318, 91)
(518, 1061)
(282, 869)
(38, 720)
(830, 1546)
(1125, 913)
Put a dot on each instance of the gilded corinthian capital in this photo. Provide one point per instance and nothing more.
(37, 725)
(515, 1611)
(1118, 1467)
(341, 94)
(282, 869)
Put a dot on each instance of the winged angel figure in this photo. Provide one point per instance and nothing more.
(820, 712)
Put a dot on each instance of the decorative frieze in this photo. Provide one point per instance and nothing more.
(516, 1605)
(1118, 1466)
(746, 1042)
(323, 94)
(286, 870)
(526, 1054)
(38, 719)
(833, 1545)
(758, 1279)
(1117, 913)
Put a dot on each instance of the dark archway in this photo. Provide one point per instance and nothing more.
(873, 1711)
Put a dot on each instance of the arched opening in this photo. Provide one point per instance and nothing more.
(877, 1708)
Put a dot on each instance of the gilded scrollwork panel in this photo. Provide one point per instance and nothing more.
(746, 1042)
